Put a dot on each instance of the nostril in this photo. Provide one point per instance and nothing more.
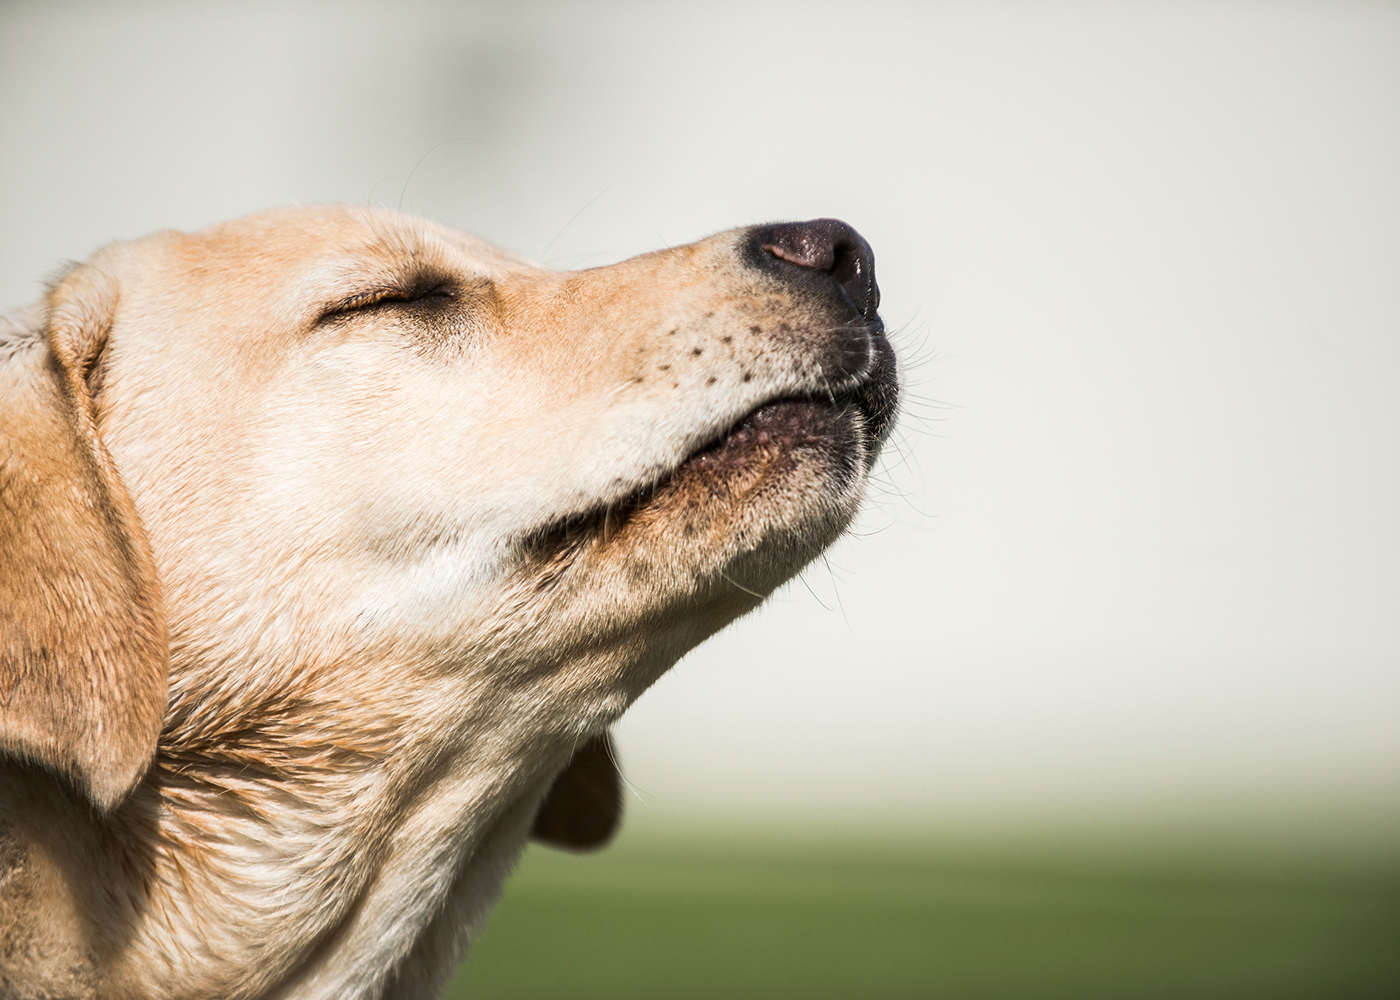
(854, 271)
(831, 246)
(806, 244)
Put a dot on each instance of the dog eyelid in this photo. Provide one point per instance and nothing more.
(388, 295)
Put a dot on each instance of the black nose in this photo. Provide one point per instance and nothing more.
(832, 247)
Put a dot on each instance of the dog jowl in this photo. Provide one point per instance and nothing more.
(332, 542)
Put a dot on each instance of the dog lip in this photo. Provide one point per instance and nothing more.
(873, 394)
(778, 419)
(868, 395)
(858, 396)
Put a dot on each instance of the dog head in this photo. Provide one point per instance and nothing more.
(343, 465)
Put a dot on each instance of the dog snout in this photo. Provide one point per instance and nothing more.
(823, 252)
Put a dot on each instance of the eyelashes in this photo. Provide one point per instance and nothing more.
(434, 312)
(426, 295)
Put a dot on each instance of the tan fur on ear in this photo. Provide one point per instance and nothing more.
(83, 645)
(584, 805)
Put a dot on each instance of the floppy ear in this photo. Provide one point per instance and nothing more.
(83, 646)
(584, 805)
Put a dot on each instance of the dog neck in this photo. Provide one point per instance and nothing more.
(313, 828)
(279, 855)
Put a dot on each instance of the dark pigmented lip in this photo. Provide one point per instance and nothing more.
(875, 394)
(867, 398)
(797, 420)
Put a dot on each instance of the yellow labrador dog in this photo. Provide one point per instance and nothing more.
(331, 543)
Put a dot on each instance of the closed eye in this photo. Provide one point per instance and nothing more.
(426, 295)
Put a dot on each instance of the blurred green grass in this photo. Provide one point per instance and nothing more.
(673, 916)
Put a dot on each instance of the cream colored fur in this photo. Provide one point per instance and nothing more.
(333, 534)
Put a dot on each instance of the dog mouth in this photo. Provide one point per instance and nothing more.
(813, 419)
(847, 426)
(789, 423)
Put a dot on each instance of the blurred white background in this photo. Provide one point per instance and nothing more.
(1136, 537)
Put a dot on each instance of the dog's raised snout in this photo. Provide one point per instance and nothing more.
(832, 247)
